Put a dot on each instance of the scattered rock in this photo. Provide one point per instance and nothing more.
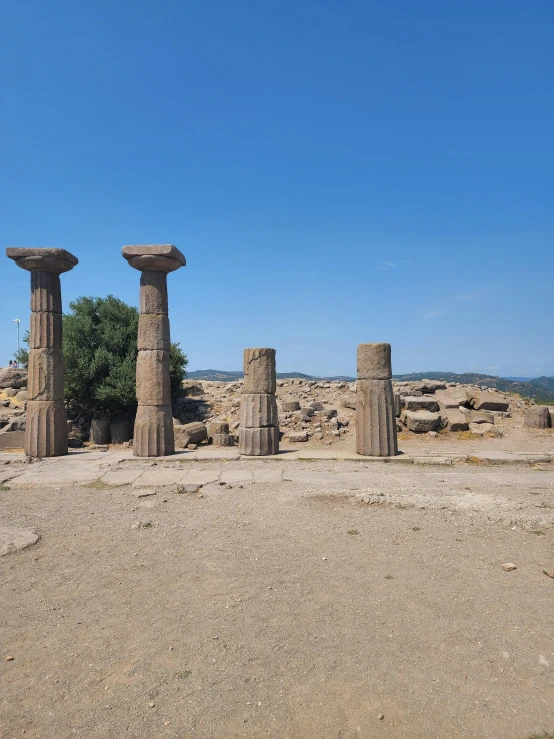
(487, 401)
(297, 436)
(508, 567)
(537, 417)
(411, 403)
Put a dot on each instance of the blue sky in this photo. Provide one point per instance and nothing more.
(334, 172)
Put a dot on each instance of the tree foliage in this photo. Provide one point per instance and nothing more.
(100, 350)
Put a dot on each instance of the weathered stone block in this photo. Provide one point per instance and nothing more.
(485, 401)
(46, 374)
(190, 433)
(479, 416)
(12, 439)
(485, 429)
(258, 410)
(46, 295)
(157, 257)
(259, 371)
(120, 432)
(259, 442)
(397, 404)
(217, 427)
(422, 403)
(46, 432)
(454, 419)
(153, 292)
(45, 331)
(348, 401)
(421, 422)
(288, 406)
(537, 417)
(153, 435)
(375, 419)
(374, 362)
(99, 431)
(223, 440)
(297, 436)
(153, 380)
(153, 332)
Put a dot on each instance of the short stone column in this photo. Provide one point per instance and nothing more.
(46, 423)
(259, 420)
(375, 411)
(153, 436)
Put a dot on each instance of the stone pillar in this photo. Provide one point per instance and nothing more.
(375, 412)
(259, 420)
(46, 429)
(153, 436)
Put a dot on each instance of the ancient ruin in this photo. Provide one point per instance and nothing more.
(46, 423)
(153, 435)
(259, 420)
(375, 409)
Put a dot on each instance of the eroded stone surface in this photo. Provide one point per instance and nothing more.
(374, 361)
(13, 539)
(375, 419)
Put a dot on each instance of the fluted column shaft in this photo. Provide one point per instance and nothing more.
(46, 422)
(259, 421)
(375, 416)
(153, 434)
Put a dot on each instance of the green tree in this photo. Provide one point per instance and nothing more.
(22, 355)
(100, 350)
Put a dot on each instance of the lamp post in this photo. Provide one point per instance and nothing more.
(16, 320)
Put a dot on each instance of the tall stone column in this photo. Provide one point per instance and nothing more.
(46, 423)
(153, 435)
(259, 420)
(375, 417)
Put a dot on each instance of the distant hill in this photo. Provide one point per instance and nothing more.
(540, 389)
(228, 376)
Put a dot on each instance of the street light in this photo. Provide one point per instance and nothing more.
(16, 320)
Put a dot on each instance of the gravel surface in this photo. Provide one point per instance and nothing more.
(333, 600)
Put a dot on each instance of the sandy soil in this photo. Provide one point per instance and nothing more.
(287, 609)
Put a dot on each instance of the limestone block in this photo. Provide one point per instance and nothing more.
(223, 440)
(348, 401)
(288, 406)
(485, 401)
(480, 417)
(374, 362)
(13, 378)
(259, 371)
(487, 429)
(422, 403)
(217, 427)
(120, 432)
(190, 433)
(537, 417)
(447, 400)
(258, 410)
(99, 431)
(45, 331)
(12, 439)
(153, 435)
(153, 332)
(375, 419)
(297, 436)
(153, 292)
(421, 422)
(46, 295)
(259, 442)
(46, 374)
(153, 381)
(455, 419)
(46, 432)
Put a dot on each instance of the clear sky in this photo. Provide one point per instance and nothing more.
(335, 171)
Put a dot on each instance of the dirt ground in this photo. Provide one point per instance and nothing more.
(287, 609)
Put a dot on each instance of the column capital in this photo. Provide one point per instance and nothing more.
(154, 257)
(42, 260)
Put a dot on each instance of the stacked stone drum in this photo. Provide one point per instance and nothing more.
(259, 420)
(153, 436)
(375, 416)
(46, 425)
